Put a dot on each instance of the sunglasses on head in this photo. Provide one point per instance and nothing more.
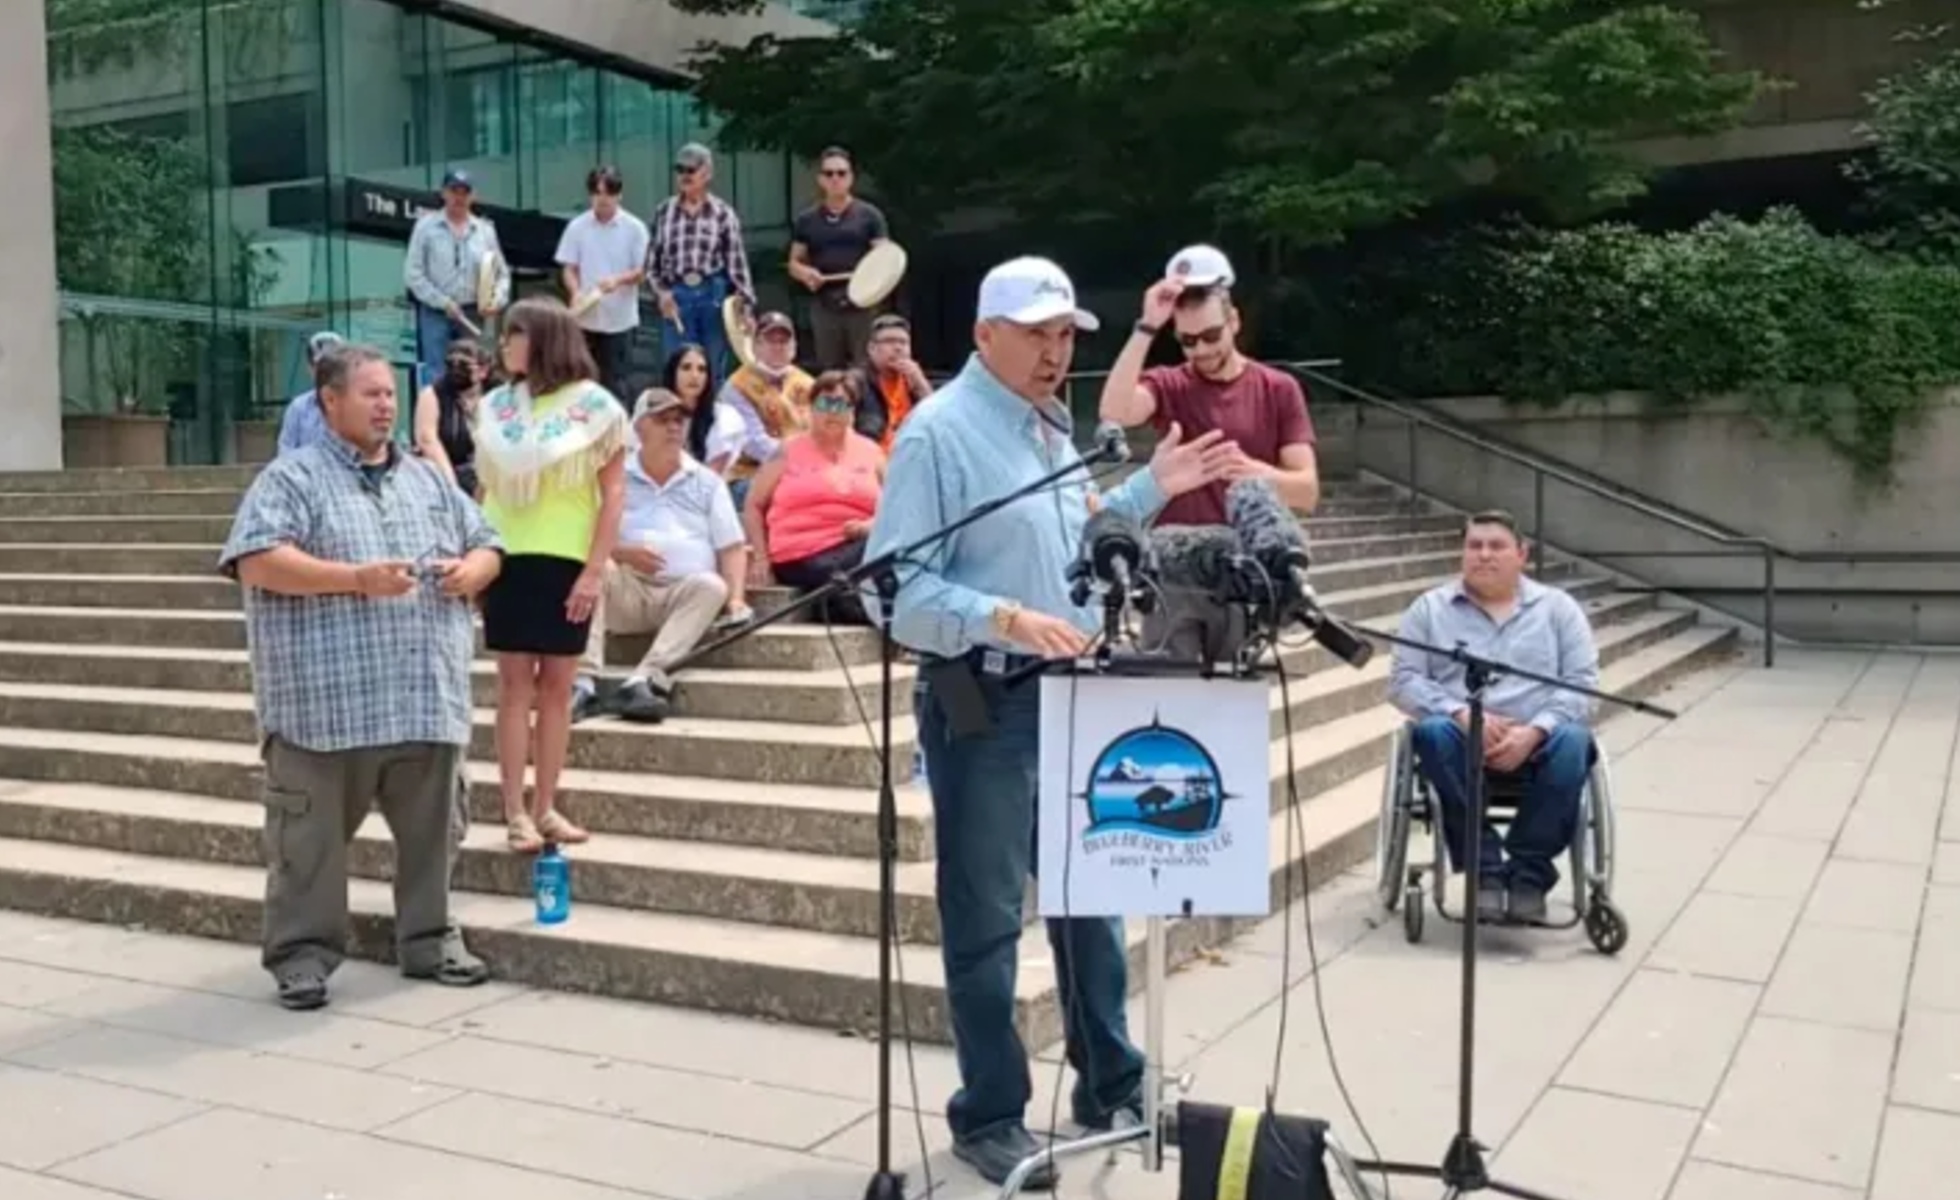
(1204, 337)
(832, 404)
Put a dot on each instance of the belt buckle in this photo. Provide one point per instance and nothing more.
(692, 278)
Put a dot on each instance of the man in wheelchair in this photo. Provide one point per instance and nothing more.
(1537, 739)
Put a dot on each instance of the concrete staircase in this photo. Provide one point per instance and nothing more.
(732, 866)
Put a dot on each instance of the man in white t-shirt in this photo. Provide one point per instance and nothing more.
(603, 253)
(681, 557)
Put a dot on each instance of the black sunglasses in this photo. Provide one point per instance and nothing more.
(1207, 337)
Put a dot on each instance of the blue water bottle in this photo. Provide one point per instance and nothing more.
(551, 883)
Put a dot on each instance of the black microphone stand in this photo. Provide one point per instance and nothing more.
(1464, 1169)
(882, 573)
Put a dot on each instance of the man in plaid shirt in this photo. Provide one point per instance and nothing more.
(358, 563)
(697, 260)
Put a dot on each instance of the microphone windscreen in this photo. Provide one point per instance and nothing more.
(1261, 519)
(1110, 436)
(1195, 556)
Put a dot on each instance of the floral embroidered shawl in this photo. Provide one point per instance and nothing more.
(526, 446)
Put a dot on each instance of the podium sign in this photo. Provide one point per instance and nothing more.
(1154, 797)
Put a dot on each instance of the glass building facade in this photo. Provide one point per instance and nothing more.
(234, 175)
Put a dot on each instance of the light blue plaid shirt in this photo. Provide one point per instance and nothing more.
(346, 672)
(977, 441)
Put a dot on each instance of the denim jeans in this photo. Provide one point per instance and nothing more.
(434, 332)
(983, 799)
(1542, 828)
(700, 314)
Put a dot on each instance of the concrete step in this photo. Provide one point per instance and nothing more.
(212, 531)
(814, 978)
(184, 749)
(213, 592)
(168, 559)
(785, 647)
(803, 818)
(1368, 501)
(184, 502)
(759, 751)
(149, 479)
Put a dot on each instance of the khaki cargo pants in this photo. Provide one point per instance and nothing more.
(314, 804)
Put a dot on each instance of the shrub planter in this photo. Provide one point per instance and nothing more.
(115, 440)
(254, 441)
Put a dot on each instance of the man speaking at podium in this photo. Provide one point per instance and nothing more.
(989, 600)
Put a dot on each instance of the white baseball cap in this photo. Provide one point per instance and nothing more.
(1028, 291)
(1201, 266)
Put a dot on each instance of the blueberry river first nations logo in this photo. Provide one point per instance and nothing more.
(1155, 800)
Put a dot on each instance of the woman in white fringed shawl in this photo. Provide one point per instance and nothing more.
(550, 454)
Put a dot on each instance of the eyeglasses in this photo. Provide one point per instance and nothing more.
(832, 404)
(836, 172)
(683, 169)
(1205, 337)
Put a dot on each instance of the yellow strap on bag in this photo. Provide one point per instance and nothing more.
(1235, 1162)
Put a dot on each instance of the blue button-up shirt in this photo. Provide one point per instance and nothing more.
(1547, 634)
(303, 424)
(977, 441)
(347, 672)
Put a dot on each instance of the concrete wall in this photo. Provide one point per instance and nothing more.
(1827, 54)
(645, 31)
(30, 375)
(1720, 464)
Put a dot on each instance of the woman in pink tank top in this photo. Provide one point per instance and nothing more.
(809, 511)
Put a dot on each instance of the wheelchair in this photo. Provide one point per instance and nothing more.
(1408, 800)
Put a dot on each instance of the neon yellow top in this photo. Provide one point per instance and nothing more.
(539, 461)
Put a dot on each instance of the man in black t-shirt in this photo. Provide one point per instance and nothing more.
(827, 241)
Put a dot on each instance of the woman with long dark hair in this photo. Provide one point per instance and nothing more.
(714, 429)
(551, 453)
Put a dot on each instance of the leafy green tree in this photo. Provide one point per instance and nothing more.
(1289, 122)
(1912, 175)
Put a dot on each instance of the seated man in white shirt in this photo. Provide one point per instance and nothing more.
(681, 556)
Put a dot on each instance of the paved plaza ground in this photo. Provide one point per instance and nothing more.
(1785, 1024)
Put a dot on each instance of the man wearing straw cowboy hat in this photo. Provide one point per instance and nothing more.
(827, 242)
(696, 260)
(603, 254)
(451, 254)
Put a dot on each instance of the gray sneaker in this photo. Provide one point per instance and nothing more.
(638, 702)
(995, 1155)
(1528, 905)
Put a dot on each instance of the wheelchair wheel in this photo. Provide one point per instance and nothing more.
(1392, 830)
(1602, 818)
(1412, 912)
(1605, 927)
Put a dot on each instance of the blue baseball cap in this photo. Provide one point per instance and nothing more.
(458, 178)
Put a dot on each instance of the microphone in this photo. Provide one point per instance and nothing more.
(1273, 539)
(1114, 552)
(1202, 558)
(1112, 444)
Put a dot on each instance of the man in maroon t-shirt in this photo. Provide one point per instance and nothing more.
(1261, 409)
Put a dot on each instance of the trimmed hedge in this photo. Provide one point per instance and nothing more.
(1825, 337)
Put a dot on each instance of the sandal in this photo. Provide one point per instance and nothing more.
(556, 828)
(522, 834)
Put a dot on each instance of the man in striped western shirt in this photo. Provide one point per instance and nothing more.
(697, 260)
(991, 598)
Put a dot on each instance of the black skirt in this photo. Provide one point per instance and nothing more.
(524, 610)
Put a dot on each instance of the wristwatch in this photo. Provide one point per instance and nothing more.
(1003, 616)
